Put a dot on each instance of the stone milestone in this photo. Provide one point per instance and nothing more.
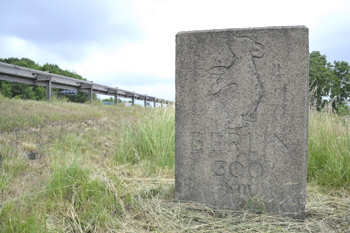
(242, 118)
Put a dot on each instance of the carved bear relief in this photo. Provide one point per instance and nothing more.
(238, 87)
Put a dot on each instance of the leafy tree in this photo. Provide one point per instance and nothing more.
(20, 90)
(329, 83)
(25, 91)
(40, 92)
(111, 99)
(81, 97)
(341, 85)
(321, 78)
(6, 89)
(25, 62)
(28, 93)
(55, 69)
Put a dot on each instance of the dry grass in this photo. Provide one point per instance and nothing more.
(62, 171)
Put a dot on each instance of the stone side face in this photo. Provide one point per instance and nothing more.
(242, 118)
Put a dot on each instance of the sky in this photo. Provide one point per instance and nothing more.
(130, 44)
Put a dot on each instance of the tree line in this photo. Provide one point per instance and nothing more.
(329, 83)
(33, 92)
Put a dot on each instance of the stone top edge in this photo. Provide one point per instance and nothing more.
(243, 29)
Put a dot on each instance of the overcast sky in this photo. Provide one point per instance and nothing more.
(130, 44)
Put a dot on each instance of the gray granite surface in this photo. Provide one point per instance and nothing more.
(242, 118)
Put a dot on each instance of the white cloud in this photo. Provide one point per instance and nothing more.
(144, 51)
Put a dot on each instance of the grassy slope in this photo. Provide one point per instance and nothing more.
(93, 168)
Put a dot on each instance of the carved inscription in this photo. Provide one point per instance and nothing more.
(216, 141)
(278, 143)
(197, 142)
(233, 139)
(241, 190)
(237, 169)
(219, 168)
(237, 154)
(229, 142)
(255, 170)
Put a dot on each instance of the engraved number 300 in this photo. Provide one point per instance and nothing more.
(236, 169)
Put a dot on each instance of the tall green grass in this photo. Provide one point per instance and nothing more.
(150, 139)
(71, 198)
(91, 200)
(329, 149)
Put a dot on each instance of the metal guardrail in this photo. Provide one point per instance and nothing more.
(21, 74)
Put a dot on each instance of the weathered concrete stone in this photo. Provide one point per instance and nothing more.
(242, 118)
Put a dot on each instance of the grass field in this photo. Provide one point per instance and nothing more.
(69, 167)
